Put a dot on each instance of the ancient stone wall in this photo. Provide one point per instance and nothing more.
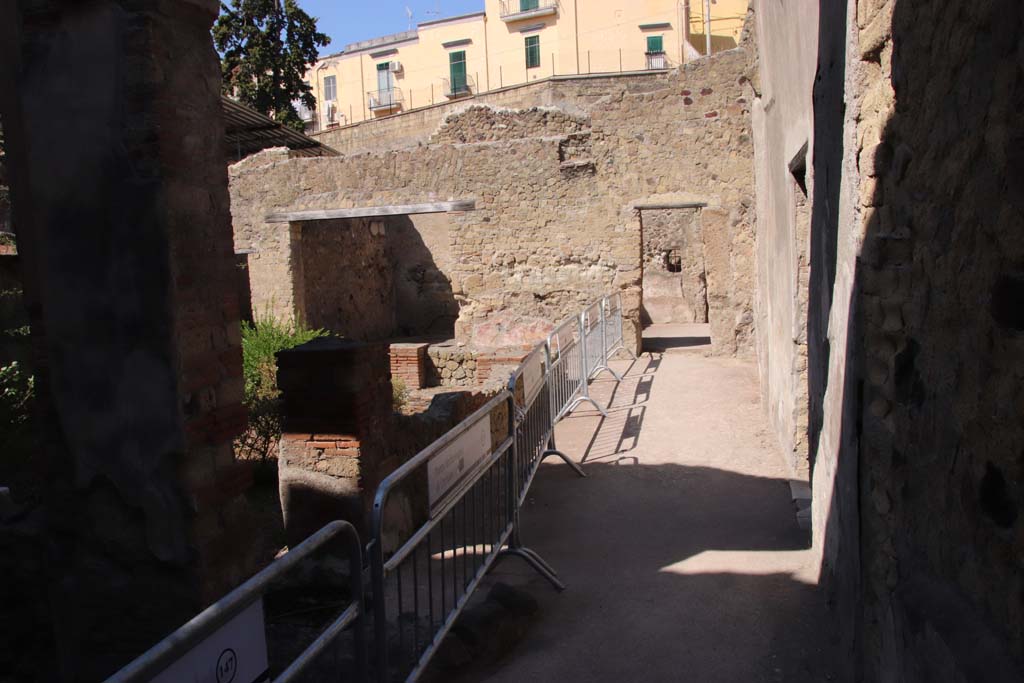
(481, 123)
(913, 324)
(941, 210)
(555, 224)
(348, 278)
(449, 365)
(420, 248)
(416, 127)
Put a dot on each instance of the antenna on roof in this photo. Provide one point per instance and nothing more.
(408, 12)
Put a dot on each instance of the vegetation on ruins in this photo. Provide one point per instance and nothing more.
(266, 47)
(399, 394)
(261, 340)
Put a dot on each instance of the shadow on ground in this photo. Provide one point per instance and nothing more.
(674, 571)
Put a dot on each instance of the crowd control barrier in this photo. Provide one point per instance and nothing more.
(227, 641)
(613, 339)
(463, 485)
(568, 372)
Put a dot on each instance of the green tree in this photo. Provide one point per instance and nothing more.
(266, 47)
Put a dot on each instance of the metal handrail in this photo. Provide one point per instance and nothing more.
(468, 87)
(510, 8)
(175, 646)
(385, 99)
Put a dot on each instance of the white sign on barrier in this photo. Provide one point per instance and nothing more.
(451, 465)
(234, 653)
(533, 377)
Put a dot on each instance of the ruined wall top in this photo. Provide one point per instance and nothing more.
(486, 123)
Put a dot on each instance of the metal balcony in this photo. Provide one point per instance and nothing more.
(656, 60)
(517, 10)
(466, 87)
(384, 99)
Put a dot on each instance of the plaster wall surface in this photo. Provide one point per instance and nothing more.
(782, 115)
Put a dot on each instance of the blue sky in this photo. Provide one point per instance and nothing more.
(348, 21)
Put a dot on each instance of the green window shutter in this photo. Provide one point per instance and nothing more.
(457, 70)
(655, 44)
(527, 5)
(532, 52)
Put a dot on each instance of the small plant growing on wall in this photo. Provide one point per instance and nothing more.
(261, 339)
(399, 394)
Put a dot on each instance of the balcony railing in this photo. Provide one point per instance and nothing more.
(514, 10)
(453, 89)
(656, 60)
(385, 99)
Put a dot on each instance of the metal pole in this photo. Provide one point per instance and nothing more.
(431, 93)
(501, 77)
(588, 61)
(707, 27)
(620, 60)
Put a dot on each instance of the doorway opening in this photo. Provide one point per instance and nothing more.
(674, 311)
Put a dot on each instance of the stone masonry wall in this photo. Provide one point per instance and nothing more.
(482, 123)
(416, 127)
(913, 322)
(555, 224)
(939, 141)
(347, 278)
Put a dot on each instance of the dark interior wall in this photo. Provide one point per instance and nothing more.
(120, 200)
(348, 277)
(915, 334)
(942, 294)
(421, 251)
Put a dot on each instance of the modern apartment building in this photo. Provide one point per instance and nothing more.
(512, 42)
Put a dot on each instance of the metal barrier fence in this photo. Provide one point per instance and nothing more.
(613, 339)
(531, 391)
(226, 641)
(462, 485)
(567, 375)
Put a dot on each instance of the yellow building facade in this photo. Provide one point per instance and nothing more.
(511, 42)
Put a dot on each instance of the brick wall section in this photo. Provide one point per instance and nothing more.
(409, 364)
(336, 404)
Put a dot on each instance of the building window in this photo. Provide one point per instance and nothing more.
(656, 53)
(527, 5)
(330, 89)
(532, 52)
(457, 71)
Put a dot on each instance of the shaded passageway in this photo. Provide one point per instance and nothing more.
(681, 551)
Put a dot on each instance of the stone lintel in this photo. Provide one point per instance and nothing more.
(657, 206)
(368, 212)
